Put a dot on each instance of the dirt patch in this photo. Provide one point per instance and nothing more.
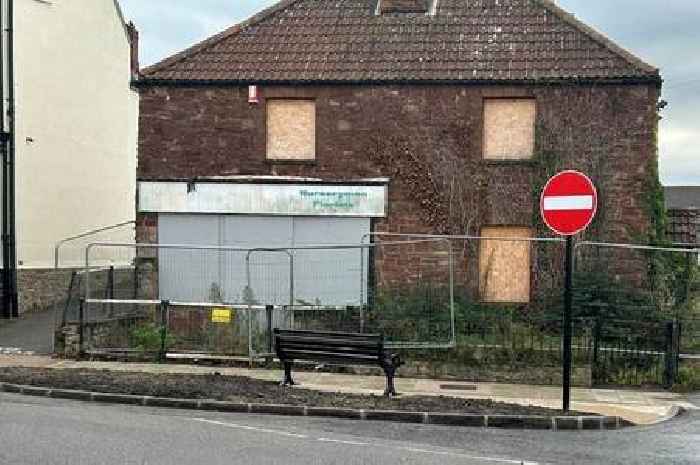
(247, 390)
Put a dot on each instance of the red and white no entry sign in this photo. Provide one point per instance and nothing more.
(569, 202)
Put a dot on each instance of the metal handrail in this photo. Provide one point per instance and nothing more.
(92, 232)
(461, 237)
(612, 245)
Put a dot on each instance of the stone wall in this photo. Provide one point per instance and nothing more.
(537, 375)
(42, 289)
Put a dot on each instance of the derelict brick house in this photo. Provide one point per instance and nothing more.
(420, 116)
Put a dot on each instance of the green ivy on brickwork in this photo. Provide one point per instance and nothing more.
(545, 166)
(655, 201)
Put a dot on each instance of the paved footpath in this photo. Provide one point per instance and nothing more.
(31, 333)
(640, 407)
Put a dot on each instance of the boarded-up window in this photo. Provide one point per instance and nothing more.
(504, 266)
(509, 129)
(291, 129)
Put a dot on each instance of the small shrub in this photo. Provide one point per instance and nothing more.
(688, 379)
(147, 338)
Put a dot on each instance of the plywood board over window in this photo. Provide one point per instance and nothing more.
(291, 129)
(504, 266)
(509, 129)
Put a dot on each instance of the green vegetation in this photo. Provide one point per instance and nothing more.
(147, 338)
(688, 379)
(655, 202)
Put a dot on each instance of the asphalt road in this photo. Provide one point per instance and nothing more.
(48, 431)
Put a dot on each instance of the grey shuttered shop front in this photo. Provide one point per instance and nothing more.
(243, 218)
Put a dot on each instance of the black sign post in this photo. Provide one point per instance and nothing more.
(566, 325)
(568, 204)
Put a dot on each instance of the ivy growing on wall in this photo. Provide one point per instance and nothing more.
(655, 201)
(454, 186)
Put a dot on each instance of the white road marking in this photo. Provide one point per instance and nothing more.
(350, 443)
(358, 443)
(471, 457)
(252, 428)
(569, 202)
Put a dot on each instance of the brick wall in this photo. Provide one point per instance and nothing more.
(606, 131)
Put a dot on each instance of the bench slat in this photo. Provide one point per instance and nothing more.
(289, 340)
(299, 332)
(319, 356)
(340, 350)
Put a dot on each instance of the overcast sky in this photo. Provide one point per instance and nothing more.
(665, 33)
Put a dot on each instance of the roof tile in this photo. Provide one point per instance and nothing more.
(344, 40)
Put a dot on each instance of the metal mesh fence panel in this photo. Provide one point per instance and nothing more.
(462, 306)
(123, 328)
(641, 300)
(199, 329)
(356, 288)
(636, 282)
(690, 337)
(508, 304)
(624, 282)
(400, 290)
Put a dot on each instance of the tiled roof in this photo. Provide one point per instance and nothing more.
(461, 41)
(682, 197)
(683, 226)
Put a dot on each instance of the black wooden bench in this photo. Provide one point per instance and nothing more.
(335, 348)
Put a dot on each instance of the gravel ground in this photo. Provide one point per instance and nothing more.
(242, 389)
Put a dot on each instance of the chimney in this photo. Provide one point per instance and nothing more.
(403, 6)
(133, 34)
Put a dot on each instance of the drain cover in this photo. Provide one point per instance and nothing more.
(458, 387)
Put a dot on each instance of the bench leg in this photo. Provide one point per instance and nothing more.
(288, 381)
(390, 390)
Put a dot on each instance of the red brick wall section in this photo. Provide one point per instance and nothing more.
(607, 131)
(147, 258)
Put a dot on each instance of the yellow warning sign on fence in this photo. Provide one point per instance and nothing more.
(221, 315)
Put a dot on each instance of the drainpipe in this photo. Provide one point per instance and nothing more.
(10, 307)
(12, 236)
(4, 141)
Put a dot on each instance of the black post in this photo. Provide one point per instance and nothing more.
(4, 148)
(668, 368)
(269, 309)
(69, 298)
(596, 346)
(10, 190)
(6, 311)
(689, 280)
(162, 355)
(568, 304)
(672, 353)
(110, 290)
(81, 328)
